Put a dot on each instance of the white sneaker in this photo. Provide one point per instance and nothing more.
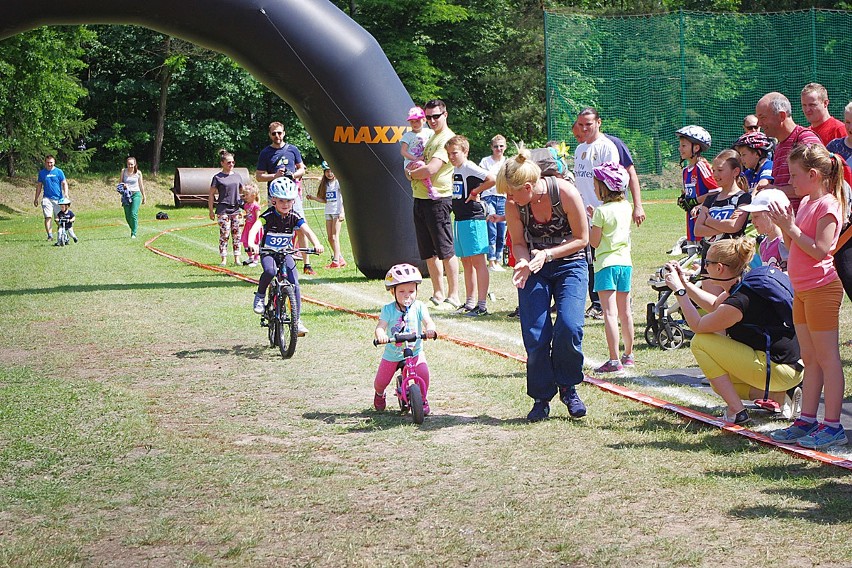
(792, 405)
(496, 268)
(303, 331)
(223, 263)
(257, 305)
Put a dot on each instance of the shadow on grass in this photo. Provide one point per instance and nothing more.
(371, 421)
(253, 352)
(224, 283)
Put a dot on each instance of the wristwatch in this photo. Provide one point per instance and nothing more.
(681, 292)
(548, 256)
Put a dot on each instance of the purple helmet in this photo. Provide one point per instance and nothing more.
(613, 175)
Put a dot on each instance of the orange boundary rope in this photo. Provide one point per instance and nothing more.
(606, 386)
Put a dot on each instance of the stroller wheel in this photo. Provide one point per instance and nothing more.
(671, 337)
(651, 337)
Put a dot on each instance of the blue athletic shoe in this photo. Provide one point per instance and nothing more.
(824, 437)
(798, 429)
(569, 397)
(540, 411)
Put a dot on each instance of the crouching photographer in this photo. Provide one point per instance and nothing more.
(755, 314)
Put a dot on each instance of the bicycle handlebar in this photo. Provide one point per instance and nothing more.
(406, 337)
(288, 250)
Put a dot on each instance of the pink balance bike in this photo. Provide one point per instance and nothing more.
(409, 385)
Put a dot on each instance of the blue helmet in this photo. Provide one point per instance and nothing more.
(283, 188)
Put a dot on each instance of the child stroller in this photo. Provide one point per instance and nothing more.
(666, 327)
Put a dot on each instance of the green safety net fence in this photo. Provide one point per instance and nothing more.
(650, 75)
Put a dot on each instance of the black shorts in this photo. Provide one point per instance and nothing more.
(434, 228)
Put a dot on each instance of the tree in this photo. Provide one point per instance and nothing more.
(39, 91)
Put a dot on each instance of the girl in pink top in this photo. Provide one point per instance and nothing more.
(817, 177)
(252, 210)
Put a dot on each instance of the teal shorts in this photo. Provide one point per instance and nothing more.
(613, 278)
(471, 237)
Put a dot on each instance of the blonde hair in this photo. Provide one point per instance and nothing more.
(816, 88)
(459, 141)
(734, 253)
(605, 194)
(516, 171)
(249, 189)
(498, 138)
(274, 125)
(829, 166)
(732, 159)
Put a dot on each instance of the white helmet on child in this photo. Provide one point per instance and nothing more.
(696, 135)
(402, 273)
(283, 188)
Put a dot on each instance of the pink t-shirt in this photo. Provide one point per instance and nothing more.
(253, 211)
(805, 272)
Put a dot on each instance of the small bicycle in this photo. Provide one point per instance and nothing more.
(280, 315)
(409, 385)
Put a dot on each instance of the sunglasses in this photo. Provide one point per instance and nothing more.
(708, 261)
(434, 116)
(277, 133)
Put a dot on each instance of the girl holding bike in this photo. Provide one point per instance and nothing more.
(280, 224)
(405, 314)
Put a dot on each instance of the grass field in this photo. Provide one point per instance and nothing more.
(145, 422)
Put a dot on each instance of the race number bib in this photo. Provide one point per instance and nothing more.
(331, 196)
(278, 241)
(458, 190)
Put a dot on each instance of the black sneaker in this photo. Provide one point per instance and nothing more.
(570, 398)
(514, 313)
(476, 312)
(540, 411)
(741, 417)
(594, 312)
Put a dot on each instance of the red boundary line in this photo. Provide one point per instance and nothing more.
(605, 386)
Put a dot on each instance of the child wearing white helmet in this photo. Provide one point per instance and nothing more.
(65, 223)
(280, 223)
(697, 176)
(405, 314)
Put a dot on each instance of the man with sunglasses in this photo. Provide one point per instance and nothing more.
(283, 159)
(432, 223)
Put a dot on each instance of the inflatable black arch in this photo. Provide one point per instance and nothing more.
(324, 65)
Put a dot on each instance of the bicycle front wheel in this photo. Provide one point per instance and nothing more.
(287, 321)
(415, 399)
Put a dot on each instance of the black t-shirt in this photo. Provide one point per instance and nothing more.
(465, 180)
(759, 311)
(278, 229)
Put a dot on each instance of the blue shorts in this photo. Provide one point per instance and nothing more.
(471, 237)
(613, 278)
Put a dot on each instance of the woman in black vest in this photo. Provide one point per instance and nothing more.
(549, 231)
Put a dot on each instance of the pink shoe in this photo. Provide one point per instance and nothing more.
(379, 402)
(426, 409)
(334, 264)
(610, 367)
(434, 195)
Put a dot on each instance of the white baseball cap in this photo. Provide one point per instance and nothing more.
(761, 201)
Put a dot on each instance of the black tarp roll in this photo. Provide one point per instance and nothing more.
(325, 66)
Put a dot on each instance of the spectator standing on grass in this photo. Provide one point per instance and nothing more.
(814, 99)
(610, 235)
(842, 145)
(496, 204)
(470, 233)
(52, 181)
(812, 233)
(625, 158)
(432, 223)
(593, 150)
(698, 180)
(228, 185)
(775, 116)
(550, 232)
(131, 177)
(281, 159)
(729, 345)
(328, 192)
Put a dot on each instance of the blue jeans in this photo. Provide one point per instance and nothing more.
(496, 231)
(554, 349)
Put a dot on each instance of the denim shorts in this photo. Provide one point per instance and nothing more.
(613, 278)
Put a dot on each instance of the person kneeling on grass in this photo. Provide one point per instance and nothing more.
(280, 224)
(735, 363)
(405, 314)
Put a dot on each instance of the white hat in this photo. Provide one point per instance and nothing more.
(761, 201)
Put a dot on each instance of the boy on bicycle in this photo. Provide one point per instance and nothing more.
(280, 224)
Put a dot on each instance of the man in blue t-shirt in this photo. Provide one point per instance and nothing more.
(52, 180)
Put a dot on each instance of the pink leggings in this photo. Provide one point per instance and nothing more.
(387, 369)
